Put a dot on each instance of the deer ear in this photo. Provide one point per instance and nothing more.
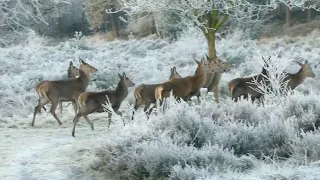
(124, 74)
(174, 69)
(197, 61)
(208, 57)
(306, 62)
(71, 63)
(299, 63)
(120, 76)
(81, 60)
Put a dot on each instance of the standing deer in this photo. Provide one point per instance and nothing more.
(67, 90)
(245, 87)
(144, 94)
(214, 78)
(294, 80)
(90, 102)
(188, 86)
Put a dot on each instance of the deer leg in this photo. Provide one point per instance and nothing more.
(150, 110)
(87, 119)
(60, 104)
(120, 114)
(41, 103)
(216, 94)
(53, 109)
(75, 120)
(136, 106)
(146, 107)
(74, 105)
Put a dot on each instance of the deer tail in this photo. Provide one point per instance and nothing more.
(82, 100)
(42, 90)
(137, 92)
(232, 84)
(158, 92)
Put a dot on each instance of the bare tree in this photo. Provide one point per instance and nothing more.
(14, 15)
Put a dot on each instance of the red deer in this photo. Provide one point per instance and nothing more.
(294, 80)
(214, 78)
(90, 102)
(144, 94)
(244, 87)
(188, 86)
(72, 72)
(67, 90)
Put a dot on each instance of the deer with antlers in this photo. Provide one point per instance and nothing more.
(188, 86)
(63, 90)
(144, 94)
(90, 102)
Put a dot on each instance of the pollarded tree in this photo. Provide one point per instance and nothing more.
(210, 15)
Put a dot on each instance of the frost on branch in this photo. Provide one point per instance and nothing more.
(16, 15)
(238, 9)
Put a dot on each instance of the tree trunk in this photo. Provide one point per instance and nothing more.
(309, 14)
(211, 40)
(114, 25)
(152, 25)
(288, 16)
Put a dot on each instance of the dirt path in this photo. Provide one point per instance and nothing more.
(46, 152)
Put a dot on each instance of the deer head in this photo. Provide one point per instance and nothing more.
(72, 71)
(173, 73)
(306, 69)
(125, 80)
(225, 66)
(87, 68)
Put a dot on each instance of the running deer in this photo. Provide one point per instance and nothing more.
(67, 90)
(244, 87)
(90, 102)
(188, 86)
(144, 94)
(214, 78)
(294, 80)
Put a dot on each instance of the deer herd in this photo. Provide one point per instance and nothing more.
(207, 75)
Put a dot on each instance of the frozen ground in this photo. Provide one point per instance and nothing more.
(47, 151)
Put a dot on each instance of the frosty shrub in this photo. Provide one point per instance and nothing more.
(154, 158)
(306, 149)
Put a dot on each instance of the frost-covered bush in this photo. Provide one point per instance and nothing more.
(209, 139)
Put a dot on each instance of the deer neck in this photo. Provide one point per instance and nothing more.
(300, 76)
(201, 75)
(216, 79)
(84, 77)
(121, 91)
(210, 77)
